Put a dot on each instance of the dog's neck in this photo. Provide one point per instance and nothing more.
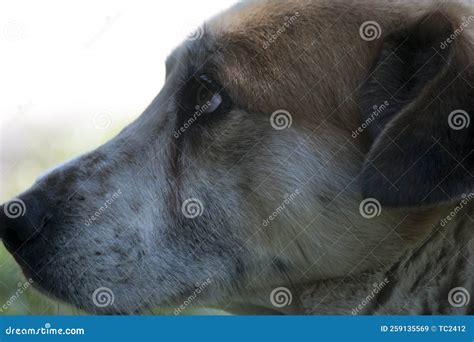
(418, 283)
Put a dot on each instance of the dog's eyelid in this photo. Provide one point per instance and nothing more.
(207, 81)
(206, 78)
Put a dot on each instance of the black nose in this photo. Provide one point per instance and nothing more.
(24, 217)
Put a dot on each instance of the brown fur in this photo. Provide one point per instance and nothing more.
(307, 58)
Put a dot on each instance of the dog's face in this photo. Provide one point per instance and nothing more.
(243, 173)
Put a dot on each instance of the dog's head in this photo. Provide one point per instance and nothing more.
(291, 142)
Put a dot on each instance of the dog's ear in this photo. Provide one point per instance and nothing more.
(421, 138)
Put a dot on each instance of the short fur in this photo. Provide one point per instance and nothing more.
(309, 59)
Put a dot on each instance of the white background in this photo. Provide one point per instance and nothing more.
(65, 58)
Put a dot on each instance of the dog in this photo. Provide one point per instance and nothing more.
(302, 157)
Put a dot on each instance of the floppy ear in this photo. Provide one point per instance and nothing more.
(422, 139)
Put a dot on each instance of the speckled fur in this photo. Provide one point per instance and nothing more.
(320, 247)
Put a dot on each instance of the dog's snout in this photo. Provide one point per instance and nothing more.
(24, 217)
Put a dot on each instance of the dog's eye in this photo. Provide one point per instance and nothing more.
(208, 97)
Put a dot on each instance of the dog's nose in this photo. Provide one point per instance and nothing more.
(22, 218)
